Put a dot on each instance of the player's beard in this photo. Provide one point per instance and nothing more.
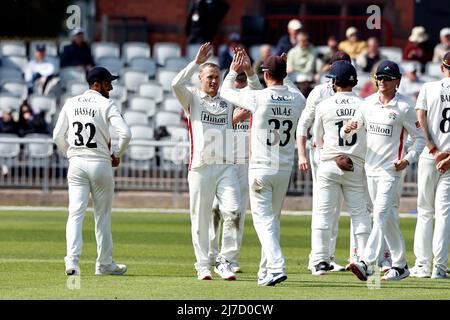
(104, 92)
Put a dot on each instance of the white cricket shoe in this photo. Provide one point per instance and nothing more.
(272, 279)
(112, 269)
(334, 266)
(439, 273)
(204, 274)
(321, 269)
(395, 274)
(359, 269)
(224, 270)
(419, 272)
(73, 271)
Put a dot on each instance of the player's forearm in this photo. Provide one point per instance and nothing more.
(422, 116)
(124, 134)
(180, 84)
(301, 146)
(416, 149)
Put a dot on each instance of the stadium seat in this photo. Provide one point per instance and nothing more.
(13, 48)
(152, 90)
(51, 49)
(133, 78)
(75, 87)
(142, 132)
(433, 69)
(62, 44)
(71, 73)
(392, 53)
(43, 103)
(132, 50)
(9, 101)
(140, 156)
(15, 62)
(405, 65)
(54, 61)
(172, 105)
(176, 64)
(9, 149)
(166, 118)
(165, 77)
(37, 149)
(17, 88)
(179, 153)
(7, 74)
(113, 64)
(164, 50)
(143, 104)
(105, 49)
(135, 118)
(119, 92)
(144, 64)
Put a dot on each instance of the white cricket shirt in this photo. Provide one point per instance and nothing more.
(85, 121)
(276, 111)
(434, 98)
(387, 127)
(331, 115)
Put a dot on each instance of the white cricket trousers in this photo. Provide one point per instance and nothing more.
(205, 183)
(86, 177)
(386, 223)
(267, 189)
(214, 229)
(433, 200)
(331, 182)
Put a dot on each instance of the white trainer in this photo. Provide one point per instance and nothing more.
(334, 266)
(204, 274)
(395, 274)
(272, 279)
(439, 273)
(112, 269)
(359, 269)
(73, 271)
(420, 272)
(224, 270)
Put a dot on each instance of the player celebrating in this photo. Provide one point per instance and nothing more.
(341, 168)
(276, 111)
(433, 184)
(386, 115)
(211, 172)
(86, 119)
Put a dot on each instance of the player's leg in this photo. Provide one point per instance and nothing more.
(214, 232)
(313, 153)
(334, 235)
(79, 189)
(441, 234)
(202, 188)
(242, 171)
(427, 181)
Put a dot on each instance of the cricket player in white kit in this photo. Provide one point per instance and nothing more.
(318, 94)
(211, 172)
(433, 200)
(241, 147)
(387, 116)
(82, 134)
(275, 113)
(334, 179)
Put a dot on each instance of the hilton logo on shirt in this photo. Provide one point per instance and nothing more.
(214, 119)
(380, 129)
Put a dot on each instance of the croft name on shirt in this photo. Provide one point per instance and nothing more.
(345, 112)
(214, 119)
(380, 129)
(84, 112)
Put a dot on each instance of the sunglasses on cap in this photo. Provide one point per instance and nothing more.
(385, 77)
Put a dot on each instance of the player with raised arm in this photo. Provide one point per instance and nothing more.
(211, 170)
(387, 116)
(433, 183)
(341, 168)
(82, 134)
(275, 111)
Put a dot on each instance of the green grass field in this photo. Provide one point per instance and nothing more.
(158, 251)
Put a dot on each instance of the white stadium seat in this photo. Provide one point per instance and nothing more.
(43, 103)
(165, 77)
(152, 90)
(71, 73)
(132, 50)
(9, 101)
(113, 64)
(10, 74)
(166, 118)
(119, 92)
(433, 69)
(133, 118)
(172, 105)
(105, 49)
(176, 63)
(164, 50)
(13, 48)
(75, 88)
(142, 132)
(133, 78)
(147, 65)
(15, 62)
(392, 53)
(143, 104)
(17, 88)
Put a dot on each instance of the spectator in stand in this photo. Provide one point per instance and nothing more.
(302, 58)
(226, 55)
(287, 42)
(441, 48)
(370, 86)
(78, 53)
(372, 55)
(265, 52)
(7, 122)
(204, 17)
(40, 73)
(30, 123)
(332, 45)
(411, 84)
(352, 46)
(418, 48)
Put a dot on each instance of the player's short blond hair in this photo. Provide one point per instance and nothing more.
(210, 65)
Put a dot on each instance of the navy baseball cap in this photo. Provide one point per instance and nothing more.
(342, 71)
(40, 47)
(99, 74)
(446, 60)
(388, 68)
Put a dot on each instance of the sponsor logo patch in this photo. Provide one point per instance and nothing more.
(380, 129)
(214, 119)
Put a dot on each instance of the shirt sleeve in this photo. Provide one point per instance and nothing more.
(307, 117)
(180, 85)
(245, 99)
(412, 125)
(120, 126)
(60, 131)
(318, 130)
(254, 83)
(422, 99)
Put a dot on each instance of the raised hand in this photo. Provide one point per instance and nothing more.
(284, 56)
(237, 63)
(204, 52)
